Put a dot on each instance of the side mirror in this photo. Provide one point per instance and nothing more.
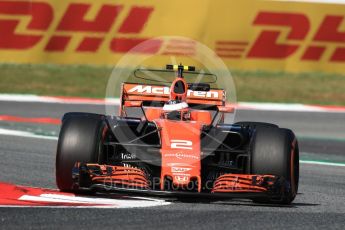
(199, 86)
(133, 103)
(226, 109)
(138, 104)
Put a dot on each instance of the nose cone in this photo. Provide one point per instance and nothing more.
(181, 156)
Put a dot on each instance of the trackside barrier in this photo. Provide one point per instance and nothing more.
(250, 35)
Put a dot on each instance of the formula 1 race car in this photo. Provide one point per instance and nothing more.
(175, 143)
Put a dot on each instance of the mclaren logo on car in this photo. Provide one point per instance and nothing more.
(161, 90)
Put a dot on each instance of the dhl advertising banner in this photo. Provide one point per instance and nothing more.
(250, 35)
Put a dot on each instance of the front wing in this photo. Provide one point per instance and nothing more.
(128, 180)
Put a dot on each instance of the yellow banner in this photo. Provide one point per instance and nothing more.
(249, 35)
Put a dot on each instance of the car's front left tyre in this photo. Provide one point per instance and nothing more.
(275, 152)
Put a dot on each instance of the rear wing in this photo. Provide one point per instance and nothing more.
(157, 93)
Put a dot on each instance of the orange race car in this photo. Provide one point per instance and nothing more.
(175, 143)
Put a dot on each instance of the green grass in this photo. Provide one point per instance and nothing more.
(255, 86)
(307, 88)
(54, 80)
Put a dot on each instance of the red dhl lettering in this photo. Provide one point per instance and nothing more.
(72, 21)
(41, 17)
(266, 46)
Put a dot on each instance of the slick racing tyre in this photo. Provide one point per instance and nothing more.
(81, 140)
(275, 152)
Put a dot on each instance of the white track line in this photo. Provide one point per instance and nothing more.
(289, 107)
(322, 163)
(315, 1)
(116, 101)
(94, 202)
(17, 133)
(57, 100)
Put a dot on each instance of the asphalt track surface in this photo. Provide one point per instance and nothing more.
(320, 203)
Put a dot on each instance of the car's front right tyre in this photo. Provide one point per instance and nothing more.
(80, 140)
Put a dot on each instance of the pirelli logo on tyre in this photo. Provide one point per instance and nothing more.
(267, 35)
